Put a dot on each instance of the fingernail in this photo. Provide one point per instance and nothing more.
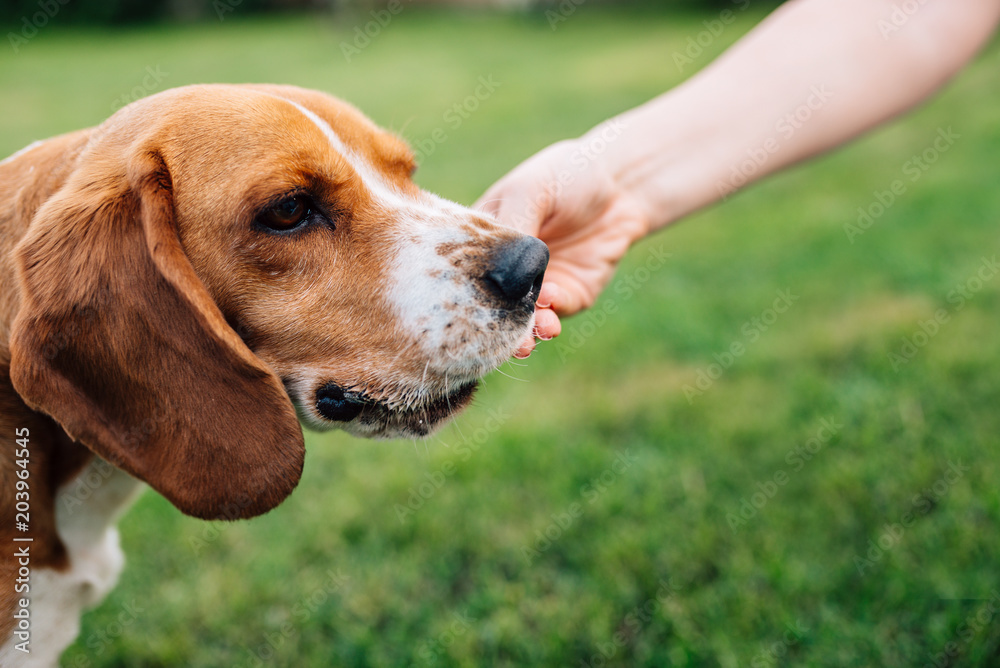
(547, 295)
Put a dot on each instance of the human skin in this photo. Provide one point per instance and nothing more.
(854, 63)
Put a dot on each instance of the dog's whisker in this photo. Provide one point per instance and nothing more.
(520, 380)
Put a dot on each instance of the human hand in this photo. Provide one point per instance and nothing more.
(568, 198)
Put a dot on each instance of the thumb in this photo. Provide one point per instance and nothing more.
(520, 206)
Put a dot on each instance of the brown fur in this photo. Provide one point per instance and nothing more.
(143, 318)
(54, 458)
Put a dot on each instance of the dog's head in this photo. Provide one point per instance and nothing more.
(221, 253)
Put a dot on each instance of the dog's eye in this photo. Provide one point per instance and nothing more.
(287, 213)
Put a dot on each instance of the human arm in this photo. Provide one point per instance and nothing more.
(847, 63)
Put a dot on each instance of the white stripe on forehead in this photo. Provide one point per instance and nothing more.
(382, 191)
(327, 130)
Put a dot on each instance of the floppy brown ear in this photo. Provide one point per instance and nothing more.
(119, 341)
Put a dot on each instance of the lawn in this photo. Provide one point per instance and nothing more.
(636, 493)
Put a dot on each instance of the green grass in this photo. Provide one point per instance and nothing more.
(644, 550)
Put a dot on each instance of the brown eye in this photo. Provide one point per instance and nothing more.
(287, 213)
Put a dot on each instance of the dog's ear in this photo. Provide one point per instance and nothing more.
(119, 341)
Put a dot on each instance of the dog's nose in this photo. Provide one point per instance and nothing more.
(336, 405)
(516, 269)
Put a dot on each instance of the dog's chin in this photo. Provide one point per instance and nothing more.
(379, 420)
(375, 419)
(390, 411)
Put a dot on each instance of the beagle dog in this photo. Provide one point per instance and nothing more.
(182, 285)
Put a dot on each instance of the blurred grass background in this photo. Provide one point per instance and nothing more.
(584, 512)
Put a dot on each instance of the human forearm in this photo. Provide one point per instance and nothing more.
(813, 75)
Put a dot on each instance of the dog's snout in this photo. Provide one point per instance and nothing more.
(336, 405)
(516, 269)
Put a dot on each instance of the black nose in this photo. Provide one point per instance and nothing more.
(516, 269)
(335, 404)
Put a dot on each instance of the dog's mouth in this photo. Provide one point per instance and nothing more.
(375, 418)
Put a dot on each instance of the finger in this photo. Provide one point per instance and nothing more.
(489, 202)
(565, 293)
(547, 293)
(560, 300)
(524, 349)
(521, 206)
(547, 324)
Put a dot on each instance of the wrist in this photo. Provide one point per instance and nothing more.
(666, 169)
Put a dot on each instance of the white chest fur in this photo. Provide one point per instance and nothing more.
(87, 509)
